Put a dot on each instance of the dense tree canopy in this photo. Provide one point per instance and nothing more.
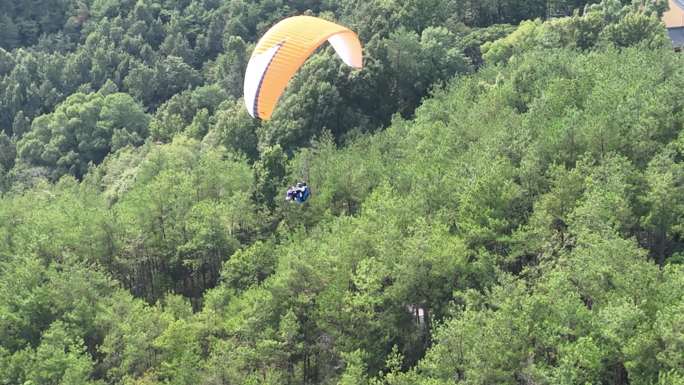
(497, 196)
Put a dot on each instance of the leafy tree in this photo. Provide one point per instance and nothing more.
(229, 67)
(9, 32)
(7, 152)
(232, 127)
(84, 129)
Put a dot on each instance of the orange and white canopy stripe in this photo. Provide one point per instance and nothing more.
(284, 49)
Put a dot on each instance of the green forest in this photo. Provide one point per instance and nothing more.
(497, 196)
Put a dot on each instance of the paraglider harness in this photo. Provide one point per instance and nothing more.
(298, 193)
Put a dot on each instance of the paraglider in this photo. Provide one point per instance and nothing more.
(298, 193)
(283, 50)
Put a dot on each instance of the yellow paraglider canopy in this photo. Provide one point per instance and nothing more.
(285, 48)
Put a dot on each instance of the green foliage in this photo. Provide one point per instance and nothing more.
(232, 127)
(522, 224)
(192, 208)
(83, 130)
(8, 152)
(607, 23)
(22, 24)
(249, 267)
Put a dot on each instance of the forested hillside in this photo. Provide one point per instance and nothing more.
(498, 196)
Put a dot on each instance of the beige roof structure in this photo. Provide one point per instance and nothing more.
(675, 16)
